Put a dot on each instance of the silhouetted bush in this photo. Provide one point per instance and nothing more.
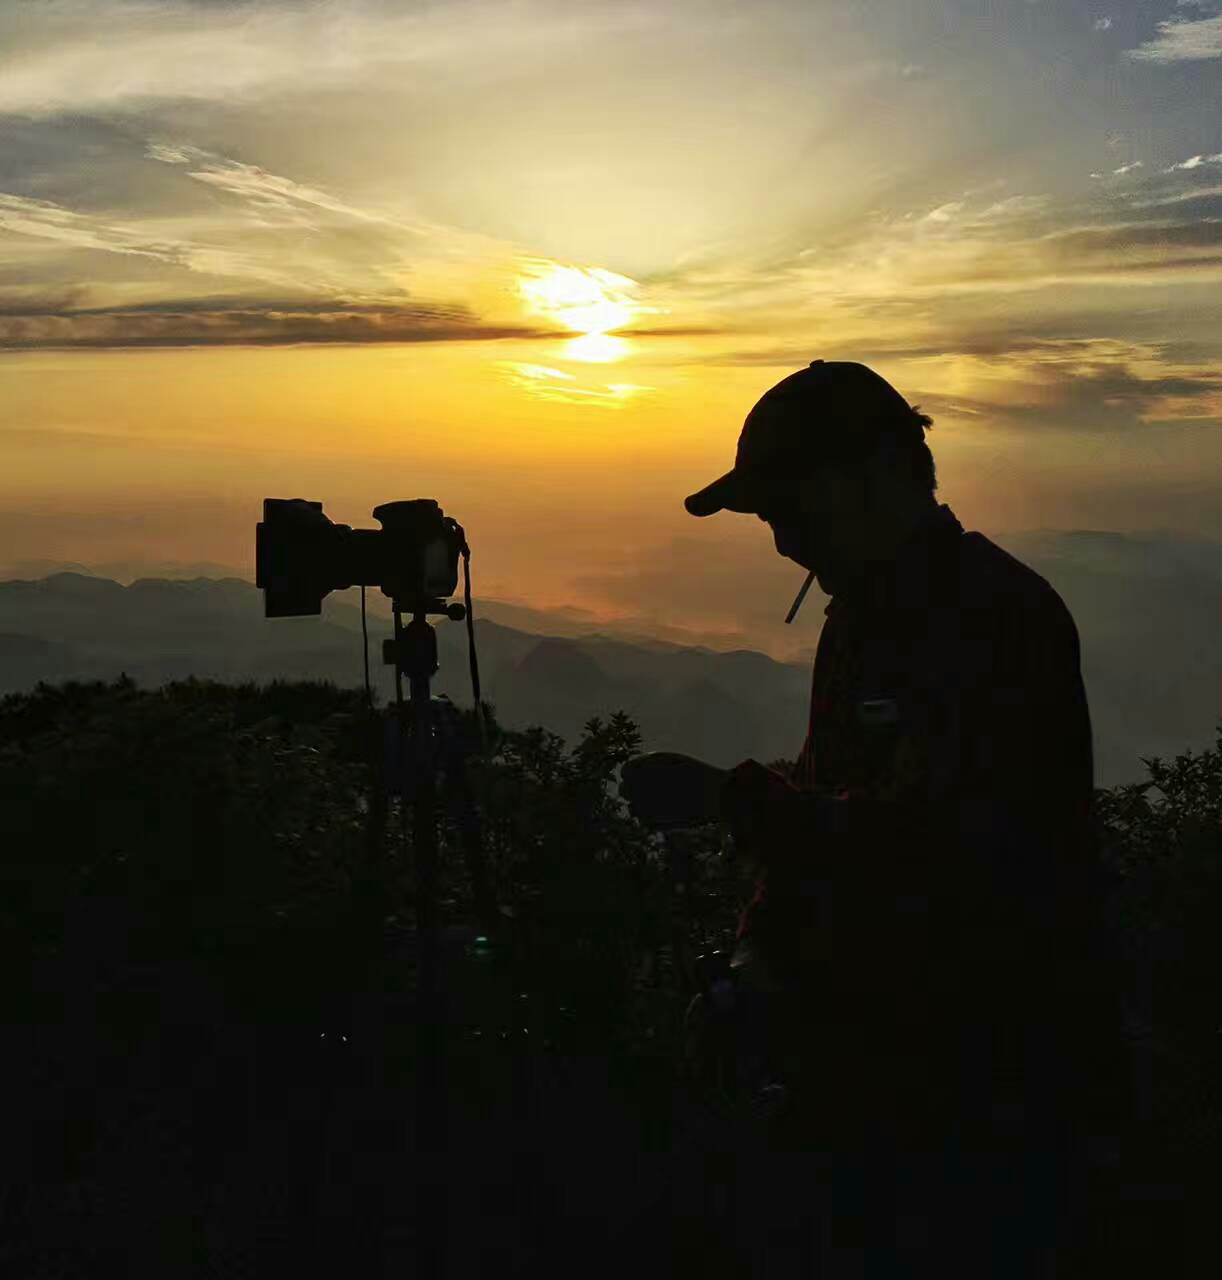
(211, 843)
(1163, 841)
(192, 826)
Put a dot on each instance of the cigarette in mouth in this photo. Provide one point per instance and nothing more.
(797, 604)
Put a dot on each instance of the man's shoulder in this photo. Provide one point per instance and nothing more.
(999, 585)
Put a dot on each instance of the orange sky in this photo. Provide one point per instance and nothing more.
(355, 252)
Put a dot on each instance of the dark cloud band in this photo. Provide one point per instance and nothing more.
(30, 326)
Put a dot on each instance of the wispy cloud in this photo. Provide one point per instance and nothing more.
(230, 261)
(969, 310)
(49, 221)
(90, 57)
(271, 230)
(266, 323)
(1178, 197)
(1183, 40)
(542, 382)
(268, 192)
(945, 212)
(1093, 384)
(894, 270)
(1196, 162)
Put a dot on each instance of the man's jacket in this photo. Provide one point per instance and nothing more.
(938, 909)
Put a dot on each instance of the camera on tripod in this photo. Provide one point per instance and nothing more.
(301, 556)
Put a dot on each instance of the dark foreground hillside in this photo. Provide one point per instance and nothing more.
(215, 1051)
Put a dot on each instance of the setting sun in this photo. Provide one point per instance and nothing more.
(588, 300)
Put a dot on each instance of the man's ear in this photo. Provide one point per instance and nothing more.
(886, 466)
(810, 491)
(877, 478)
(829, 488)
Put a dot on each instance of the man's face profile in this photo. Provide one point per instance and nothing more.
(839, 520)
(816, 521)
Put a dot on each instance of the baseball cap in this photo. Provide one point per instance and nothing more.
(833, 410)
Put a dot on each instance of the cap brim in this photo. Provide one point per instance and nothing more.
(732, 492)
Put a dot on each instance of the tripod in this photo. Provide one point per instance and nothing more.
(413, 653)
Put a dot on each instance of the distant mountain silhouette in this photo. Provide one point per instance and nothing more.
(1149, 614)
(74, 626)
(559, 685)
(123, 571)
(1148, 609)
(711, 712)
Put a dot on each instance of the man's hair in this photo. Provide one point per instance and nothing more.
(907, 444)
(923, 469)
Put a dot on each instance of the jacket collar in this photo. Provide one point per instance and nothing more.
(906, 572)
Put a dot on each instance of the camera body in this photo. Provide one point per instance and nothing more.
(301, 555)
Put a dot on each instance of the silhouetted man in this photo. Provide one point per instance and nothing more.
(927, 902)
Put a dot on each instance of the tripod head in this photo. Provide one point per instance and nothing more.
(301, 556)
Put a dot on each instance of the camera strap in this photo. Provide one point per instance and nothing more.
(465, 550)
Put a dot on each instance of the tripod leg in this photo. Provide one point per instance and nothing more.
(419, 648)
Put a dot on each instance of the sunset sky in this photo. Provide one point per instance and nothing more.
(537, 260)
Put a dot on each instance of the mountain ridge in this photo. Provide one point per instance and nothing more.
(71, 626)
(1148, 611)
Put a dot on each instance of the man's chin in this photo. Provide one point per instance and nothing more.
(823, 577)
(829, 579)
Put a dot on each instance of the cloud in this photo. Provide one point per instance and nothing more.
(1183, 40)
(1091, 384)
(587, 299)
(1001, 274)
(1128, 168)
(338, 269)
(88, 57)
(167, 153)
(1032, 373)
(209, 323)
(1133, 243)
(267, 192)
(1023, 246)
(49, 221)
(1195, 162)
(267, 230)
(1179, 197)
(541, 382)
(46, 220)
(958, 312)
(945, 212)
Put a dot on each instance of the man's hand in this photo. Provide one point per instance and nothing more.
(760, 808)
(665, 789)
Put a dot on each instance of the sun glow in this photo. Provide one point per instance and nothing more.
(596, 348)
(588, 300)
(592, 304)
